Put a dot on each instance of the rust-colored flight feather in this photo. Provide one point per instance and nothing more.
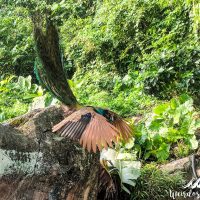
(94, 131)
(74, 117)
(123, 128)
(92, 136)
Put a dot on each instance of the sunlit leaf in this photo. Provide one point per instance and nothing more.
(194, 142)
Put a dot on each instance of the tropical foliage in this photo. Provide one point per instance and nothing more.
(155, 42)
(16, 96)
(169, 130)
(16, 46)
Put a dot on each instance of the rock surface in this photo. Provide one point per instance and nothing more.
(180, 164)
(36, 164)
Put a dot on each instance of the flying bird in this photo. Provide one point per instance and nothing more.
(94, 127)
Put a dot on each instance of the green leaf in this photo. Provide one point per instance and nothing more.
(147, 155)
(40, 91)
(163, 152)
(160, 109)
(177, 116)
(21, 82)
(164, 131)
(30, 96)
(55, 7)
(185, 97)
(174, 103)
(2, 116)
(194, 142)
(155, 125)
(28, 83)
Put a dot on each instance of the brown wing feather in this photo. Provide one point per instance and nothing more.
(71, 133)
(64, 129)
(95, 132)
(74, 117)
(80, 130)
(73, 125)
(69, 129)
(108, 137)
(122, 126)
(122, 130)
(96, 136)
(88, 139)
(87, 136)
(104, 138)
(92, 136)
(125, 128)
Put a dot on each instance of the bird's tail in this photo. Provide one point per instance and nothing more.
(49, 67)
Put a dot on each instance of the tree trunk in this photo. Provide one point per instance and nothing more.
(36, 164)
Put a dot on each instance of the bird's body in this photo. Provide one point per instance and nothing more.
(94, 127)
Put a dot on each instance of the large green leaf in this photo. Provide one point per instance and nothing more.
(160, 109)
(163, 152)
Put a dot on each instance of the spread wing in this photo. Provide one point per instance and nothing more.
(74, 125)
(121, 125)
(99, 133)
(92, 129)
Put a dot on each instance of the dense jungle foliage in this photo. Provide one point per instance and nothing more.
(136, 57)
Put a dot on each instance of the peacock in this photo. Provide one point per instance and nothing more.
(94, 127)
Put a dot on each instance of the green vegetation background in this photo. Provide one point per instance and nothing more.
(121, 54)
